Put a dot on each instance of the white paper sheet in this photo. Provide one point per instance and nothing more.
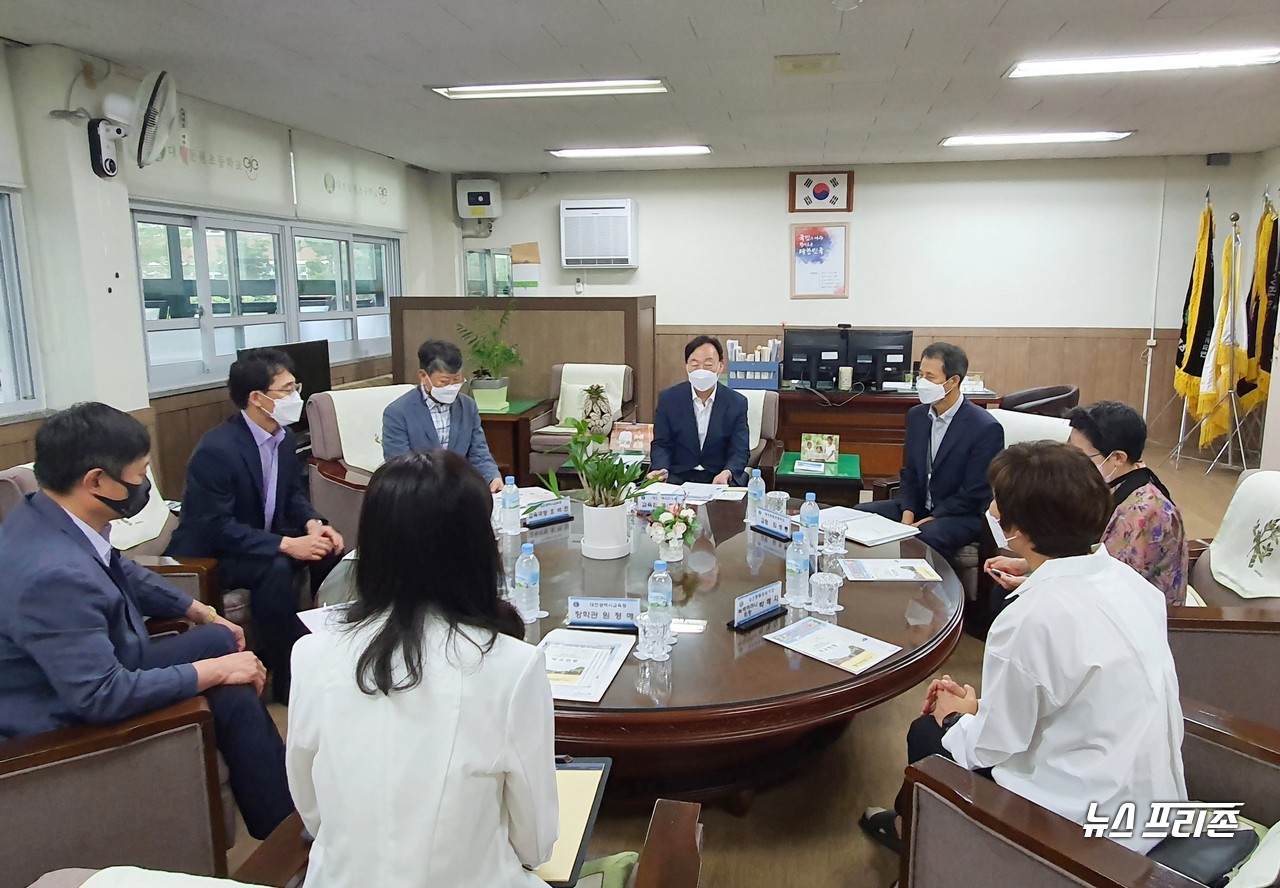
(836, 645)
(702, 492)
(873, 530)
(321, 620)
(889, 569)
(835, 513)
(581, 665)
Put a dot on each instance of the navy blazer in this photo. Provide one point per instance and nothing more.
(222, 506)
(675, 433)
(959, 486)
(72, 641)
(407, 426)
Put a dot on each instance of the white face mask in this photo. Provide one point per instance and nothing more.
(446, 394)
(702, 380)
(288, 409)
(997, 532)
(930, 392)
(1106, 476)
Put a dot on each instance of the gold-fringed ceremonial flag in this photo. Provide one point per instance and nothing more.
(1197, 317)
(1264, 301)
(1228, 359)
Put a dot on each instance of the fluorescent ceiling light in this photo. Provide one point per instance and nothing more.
(1178, 61)
(1030, 138)
(651, 151)
(568, 88)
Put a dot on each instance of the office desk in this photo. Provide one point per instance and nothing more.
(507, 433)
(729, 713)
(872, 424)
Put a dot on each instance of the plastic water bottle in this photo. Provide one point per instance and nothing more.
(755, 495)
(510, 506)
(809, 516)
(797, 571)
(660, 586)
(528, 593)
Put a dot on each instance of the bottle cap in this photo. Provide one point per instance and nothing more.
(810, 497)
(659, 565)
(526, 548)
(755, 473)
(798, 536)
(511, 479)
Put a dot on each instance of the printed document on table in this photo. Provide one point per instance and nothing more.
(874, 530)
(841, 647)
(836, 513)
(701, 493)
(881, 569)
(581, 665)
(321, 620)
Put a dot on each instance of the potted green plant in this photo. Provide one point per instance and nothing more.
(607, 483)
(491, 358)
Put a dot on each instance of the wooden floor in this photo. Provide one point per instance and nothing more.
(804, 833)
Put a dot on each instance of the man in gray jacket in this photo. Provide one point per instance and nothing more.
(438, 415)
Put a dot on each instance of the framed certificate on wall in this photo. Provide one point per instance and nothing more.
(820, 261)
(826, 192)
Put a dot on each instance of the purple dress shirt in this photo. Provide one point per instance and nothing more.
(268, 452)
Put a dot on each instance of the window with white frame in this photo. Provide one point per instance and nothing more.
(18, 393)
(212, 285)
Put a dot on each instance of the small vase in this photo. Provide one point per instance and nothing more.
(671, 551)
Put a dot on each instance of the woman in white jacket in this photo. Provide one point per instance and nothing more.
(420, 748)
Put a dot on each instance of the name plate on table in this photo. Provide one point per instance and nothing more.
(549, 512)
(774, 524)
(754, 607)
(617, 613)
(647, 502)
(555, 532)
(813, 467)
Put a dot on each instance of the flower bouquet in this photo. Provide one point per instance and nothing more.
(672, 529)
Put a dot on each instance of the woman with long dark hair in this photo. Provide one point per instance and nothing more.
(421, 739)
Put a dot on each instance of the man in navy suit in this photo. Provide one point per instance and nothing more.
(950, 444)
(700, 426)
(245, 506)
(437, 414)
(73, 645)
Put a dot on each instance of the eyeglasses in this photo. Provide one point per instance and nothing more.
(289, 389)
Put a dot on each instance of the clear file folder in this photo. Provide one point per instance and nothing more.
(580, 783)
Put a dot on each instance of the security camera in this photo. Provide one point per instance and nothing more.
(103, 135)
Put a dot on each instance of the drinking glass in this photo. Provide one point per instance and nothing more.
(652, 632)
(776, 501)
(824, 591)
(833, 537)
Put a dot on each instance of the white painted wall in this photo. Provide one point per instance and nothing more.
(431, 250)
(1269, 177)
(1051, 243)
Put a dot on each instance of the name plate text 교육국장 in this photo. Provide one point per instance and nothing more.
(763, 602)
(775, 524)
(647, 502)
(549, 512)
(618, 613)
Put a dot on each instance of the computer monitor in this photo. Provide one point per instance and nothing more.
(814, 356)
(310, 368)
(879, 356)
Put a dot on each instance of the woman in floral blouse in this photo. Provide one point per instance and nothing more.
(1146, 530)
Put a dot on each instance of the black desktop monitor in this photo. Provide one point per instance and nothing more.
(310, 368)
(879, 356)
(814, 356)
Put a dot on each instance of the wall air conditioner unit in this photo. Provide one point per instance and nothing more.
(599, 234)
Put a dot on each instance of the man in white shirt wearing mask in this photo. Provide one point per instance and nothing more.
(1079, 694)
(436, 415)
(949, 445)
(244, 504)
(700, 426)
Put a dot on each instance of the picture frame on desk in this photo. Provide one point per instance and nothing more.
(820, 261)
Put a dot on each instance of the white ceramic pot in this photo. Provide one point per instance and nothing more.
(604, 532)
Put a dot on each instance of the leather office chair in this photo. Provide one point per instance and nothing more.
(965, 831)
(339, 475)
(1049, 400)
(548, 451)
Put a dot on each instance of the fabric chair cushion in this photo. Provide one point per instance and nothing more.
(15, 483)
(755, 416)
(1204, 858)
(569, 404)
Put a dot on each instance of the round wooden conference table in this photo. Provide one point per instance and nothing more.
(729, 712)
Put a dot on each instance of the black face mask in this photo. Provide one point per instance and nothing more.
(132, 504)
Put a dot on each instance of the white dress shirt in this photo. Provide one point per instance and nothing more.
(449, 783)
(1079, 695)
(937, 431)
(101, 542)
(702, 415)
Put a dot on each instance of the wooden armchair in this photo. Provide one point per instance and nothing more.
(143, 792)
(965, 831)
(671, 856)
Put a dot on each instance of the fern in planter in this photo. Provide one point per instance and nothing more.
(491, 355)
(606, 479)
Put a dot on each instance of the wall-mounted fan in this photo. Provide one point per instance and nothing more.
(147, 119)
